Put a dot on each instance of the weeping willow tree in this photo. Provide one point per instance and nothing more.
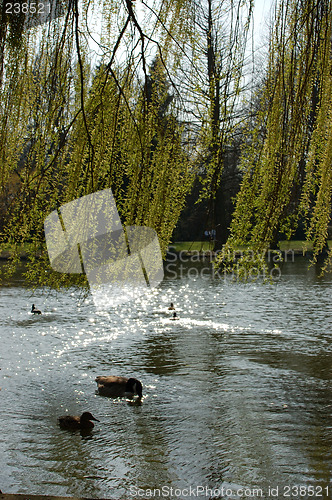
(136, 151)
(67, 132)
(35, 117)
(287, 162)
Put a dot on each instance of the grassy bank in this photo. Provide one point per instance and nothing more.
(298, 246)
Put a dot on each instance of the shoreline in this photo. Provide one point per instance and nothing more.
(211, 254)
(5, 256)
(20, 496)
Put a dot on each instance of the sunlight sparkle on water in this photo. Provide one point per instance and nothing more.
(250, 393)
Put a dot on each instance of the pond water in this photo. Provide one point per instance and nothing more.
(237, 392)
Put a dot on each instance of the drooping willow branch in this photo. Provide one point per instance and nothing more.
(287, 169)
(79, 57)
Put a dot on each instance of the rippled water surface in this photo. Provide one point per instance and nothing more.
(237, 391)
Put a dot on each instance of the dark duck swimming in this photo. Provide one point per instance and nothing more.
(74, 422)
(114, 386)
(34, 310)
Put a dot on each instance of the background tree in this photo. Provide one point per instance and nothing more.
(209, 76)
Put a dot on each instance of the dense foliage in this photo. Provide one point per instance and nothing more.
(70, 129)
(287, 161)
(143, 98)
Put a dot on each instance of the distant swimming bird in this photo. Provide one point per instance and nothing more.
(171, 307)
(72, 422)
(115, 387)
(34, 310)
(174, 316)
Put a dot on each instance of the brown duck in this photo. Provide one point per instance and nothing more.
(115, 387)
(72, 422)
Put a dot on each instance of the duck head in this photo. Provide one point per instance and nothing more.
(87, 416)
(133, 385)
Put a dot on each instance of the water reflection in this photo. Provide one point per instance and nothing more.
(236, 392)
(159, 355)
